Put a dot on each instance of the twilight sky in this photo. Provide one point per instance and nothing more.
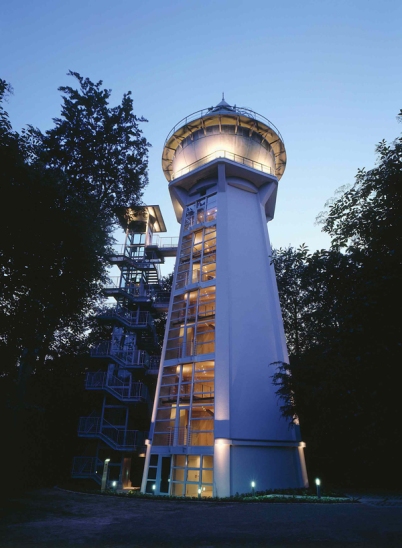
(325, 72)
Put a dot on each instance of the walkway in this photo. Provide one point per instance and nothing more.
(53, 519)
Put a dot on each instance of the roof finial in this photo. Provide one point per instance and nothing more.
(223, 95)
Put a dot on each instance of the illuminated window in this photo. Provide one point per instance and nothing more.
(192, 475)
(201, 211)
(185, 415)
(197, 258)
(192, 324)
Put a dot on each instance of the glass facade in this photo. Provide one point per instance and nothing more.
(197, 261)
(185, 403)
(185, 415)
(192, 324)
(192, 475)
(200, 211)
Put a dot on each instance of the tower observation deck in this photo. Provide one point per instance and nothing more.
(216, 425)
(238, 134)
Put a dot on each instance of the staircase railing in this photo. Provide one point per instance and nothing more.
(154, 364)
(161, 297)
(137, 318)
(133, 291)
(87, 467)
(165, 241)
(125, 389)
(127, 357)
(175, 436)
(115, 436)
(149, 263)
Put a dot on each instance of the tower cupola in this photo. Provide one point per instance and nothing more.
(235, 133)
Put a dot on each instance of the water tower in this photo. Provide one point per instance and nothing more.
(216, 426)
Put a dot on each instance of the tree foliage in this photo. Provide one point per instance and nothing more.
(341, 320)
(100, 149)
(60, 190)
(160, 318)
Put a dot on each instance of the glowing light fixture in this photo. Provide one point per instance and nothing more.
(318, 484)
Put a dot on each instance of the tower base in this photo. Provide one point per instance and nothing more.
(241, 468)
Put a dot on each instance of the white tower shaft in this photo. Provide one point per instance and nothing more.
(217, 427)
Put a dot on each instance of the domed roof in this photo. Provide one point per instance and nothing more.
(224, 114)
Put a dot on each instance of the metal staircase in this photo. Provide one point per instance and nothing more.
(87, 468)
(124, 389)
(131, 356)
(116, 436)
(127, 358)
(136, 319)
(148, 262)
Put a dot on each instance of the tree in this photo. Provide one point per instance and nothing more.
(51, 259)
(100, 149)
(342, 382)
(62, 188)
(60, 191)
(160, 318)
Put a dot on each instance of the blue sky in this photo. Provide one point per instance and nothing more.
(324, 72)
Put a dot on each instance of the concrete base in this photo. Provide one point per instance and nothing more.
(238, 467)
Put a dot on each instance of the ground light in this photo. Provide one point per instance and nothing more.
(253, 487)
(105, 474)
(318, 484)
(153, 489)
(199, 492)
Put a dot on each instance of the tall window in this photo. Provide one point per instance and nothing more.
(192, 475)
(185, 413)
(135, 247)
(192, 324)
(201, 211)
(197, 257)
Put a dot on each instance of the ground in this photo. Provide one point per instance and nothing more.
(54, 518)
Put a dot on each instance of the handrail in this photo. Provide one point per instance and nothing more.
(89, 425)
(165, 241)
(134, 290)
(161, 296)
(87, 467)
(188, 348)
(122, 249)
(147, 262)
(186, 278)
(222, 154)
(232, 111)
(114, 435)
(124, 389)
(130, 317)
(180, 436)
(123, 356)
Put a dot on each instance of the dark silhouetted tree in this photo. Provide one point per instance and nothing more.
(342, 383)
(59, 191)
